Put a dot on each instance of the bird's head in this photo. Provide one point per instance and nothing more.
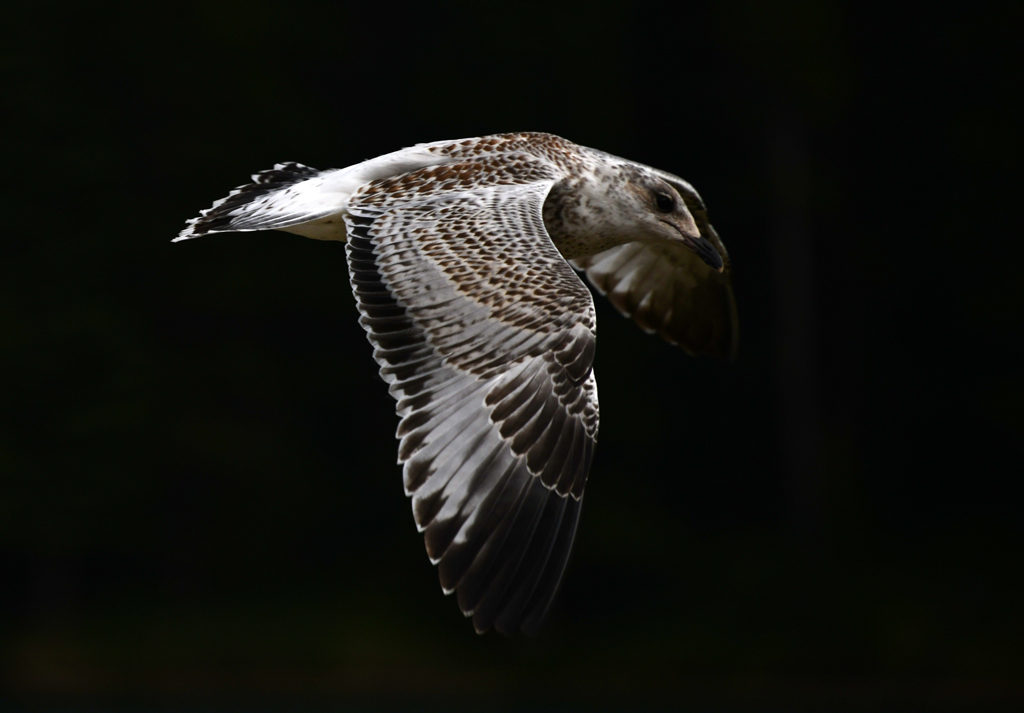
(654, 211)
(621, 202)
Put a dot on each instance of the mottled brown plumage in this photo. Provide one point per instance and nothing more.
(458, 257)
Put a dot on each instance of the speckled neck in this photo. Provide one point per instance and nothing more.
(578, 215)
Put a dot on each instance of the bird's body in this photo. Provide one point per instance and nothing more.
(457, 255)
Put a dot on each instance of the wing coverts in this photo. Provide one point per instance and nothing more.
(489, 361)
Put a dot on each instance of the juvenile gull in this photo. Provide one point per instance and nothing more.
(459, 256)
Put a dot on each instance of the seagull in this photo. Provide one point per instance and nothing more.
(460, 256)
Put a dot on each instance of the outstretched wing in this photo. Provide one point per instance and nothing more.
(666, 288)
(486, 338)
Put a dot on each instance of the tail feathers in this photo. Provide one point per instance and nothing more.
(275, 199)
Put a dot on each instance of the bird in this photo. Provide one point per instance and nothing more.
(464, 257)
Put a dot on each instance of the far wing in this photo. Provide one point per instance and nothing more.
(486, 338)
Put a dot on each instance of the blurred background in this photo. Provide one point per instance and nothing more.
(199, 506)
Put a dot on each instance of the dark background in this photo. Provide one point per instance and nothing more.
(199, 500)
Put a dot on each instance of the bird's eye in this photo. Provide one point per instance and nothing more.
(664, 201)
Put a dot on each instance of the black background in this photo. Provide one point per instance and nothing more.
(199, 500)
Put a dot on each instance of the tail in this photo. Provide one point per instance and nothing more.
(302, 200)
(285, 197)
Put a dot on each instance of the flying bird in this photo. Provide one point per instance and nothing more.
(461, 256)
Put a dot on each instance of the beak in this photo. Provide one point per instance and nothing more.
(705, 250)
(700, 245)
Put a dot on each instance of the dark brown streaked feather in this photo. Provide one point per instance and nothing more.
(488, 365)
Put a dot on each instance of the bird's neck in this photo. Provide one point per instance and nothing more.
(578, 219)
